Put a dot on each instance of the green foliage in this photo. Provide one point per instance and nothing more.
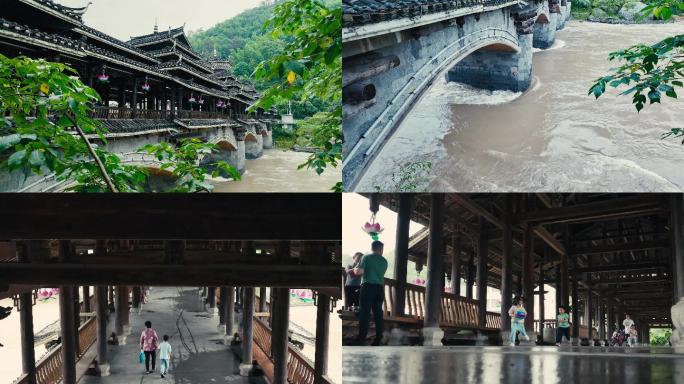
(182, 163)
(43, 103)
(660, 336)
(648, 73)
(310, 66)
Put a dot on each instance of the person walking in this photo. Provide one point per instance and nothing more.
(149, 341)
(627, 323)
(372, 270)
(563, 328)
(164, 356)
(518, 314)
(352, 286)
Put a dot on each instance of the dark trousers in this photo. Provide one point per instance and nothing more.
(150, 355)
(560, 332)
(372, 296)
(351, 295)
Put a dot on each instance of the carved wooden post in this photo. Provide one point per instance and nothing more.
(28, 354)
(432, 334)
(247, 330)
(482, 258)
(279, 336)
(401, 253)
(507, 267)
(322, 336)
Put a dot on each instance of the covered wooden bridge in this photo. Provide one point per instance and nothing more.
(606, 255)
(119, 244)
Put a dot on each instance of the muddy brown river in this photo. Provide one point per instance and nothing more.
(553, 137)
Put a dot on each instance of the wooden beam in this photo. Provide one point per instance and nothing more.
(596, 211)
(623, 267)
(549, 239)
(238, 216)
(48, 275)
(475, 208)
(624, 247)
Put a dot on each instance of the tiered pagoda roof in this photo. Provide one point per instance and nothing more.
(165, 55)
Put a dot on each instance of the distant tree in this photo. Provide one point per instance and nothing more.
(649, 72)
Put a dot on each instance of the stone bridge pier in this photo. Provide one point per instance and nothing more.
(546, 24)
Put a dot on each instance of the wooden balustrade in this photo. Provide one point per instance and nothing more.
(546, 324)
(49, 367)
(116, 113)
(457, 311)
(300, 370)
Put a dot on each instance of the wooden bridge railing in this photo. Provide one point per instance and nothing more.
(546, 324)
(49, 367)
(117, 113)
(457, 311)
(300, 370)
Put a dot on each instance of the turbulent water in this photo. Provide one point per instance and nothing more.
(276, 171)
(553, 137)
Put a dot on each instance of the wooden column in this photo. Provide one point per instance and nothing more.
(469, 276)
(86, 299)
(279, 335)
(559, 297)
(229, 311)
(590, 310)
(564, 278)
(136, 297)
(401, 253)
(110, 295)
(247, 329)
(121, 304)
(456, 265)
(677, 240)
(601, 320)
(483, 253)
(28, 353)
(541, 292)
(211, 299)
(322, 337)
(262, 299)
(134, 101)
(67, 326)
(76, 314)
(575, 300)
(507, 264)
(223, 293)
(435, 263)
(528, 275)
(101, 318)
(611, 318)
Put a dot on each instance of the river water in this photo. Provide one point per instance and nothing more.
(553, 137)
(276, 171)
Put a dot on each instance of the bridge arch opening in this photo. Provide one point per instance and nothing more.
(542, 19)
(249, 136)
(226, 145)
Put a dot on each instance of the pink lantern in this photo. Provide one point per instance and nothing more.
(200, 101)
(145, 87)
(373, 228)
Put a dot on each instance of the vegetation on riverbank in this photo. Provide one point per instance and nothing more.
(613, 11)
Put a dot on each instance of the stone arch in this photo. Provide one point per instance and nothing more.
(545, 25)
(542, 19)
(250, 136)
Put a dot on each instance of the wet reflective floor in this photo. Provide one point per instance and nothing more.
(519, 365)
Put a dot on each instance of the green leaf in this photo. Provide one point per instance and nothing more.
(16, 159)
(9, 141)
(37, 158)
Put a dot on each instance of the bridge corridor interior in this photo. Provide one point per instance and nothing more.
(599, 255)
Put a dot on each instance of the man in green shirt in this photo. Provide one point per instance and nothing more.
(563, 326)
(372, 271)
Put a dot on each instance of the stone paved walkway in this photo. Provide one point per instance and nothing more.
(199, 355)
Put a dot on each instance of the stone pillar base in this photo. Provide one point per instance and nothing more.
(121, 338)
(104, 369)
(396, 337)
(481, 339)
(432, 336)
(227, 339)
(505, 337)
(212, 311)
(221, 329)
(574, 341)
(244, 369)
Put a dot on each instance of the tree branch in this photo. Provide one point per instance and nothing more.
(100, 165)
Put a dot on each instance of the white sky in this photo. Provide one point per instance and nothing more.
(125, 18)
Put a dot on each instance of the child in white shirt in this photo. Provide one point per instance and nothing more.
(164, 356)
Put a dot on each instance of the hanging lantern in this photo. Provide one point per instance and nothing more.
(103, 77)
(220, 104)
(146, 86)
(373, 228)
(192, 99)
(200, 101)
